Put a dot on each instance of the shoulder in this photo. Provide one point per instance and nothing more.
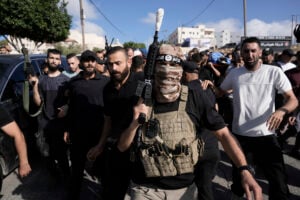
(64, 77)
(293, 71)
(193, 84)
(5, 116)
(194, 89)
(43, 77)
(101, 77)
(272, 70)
(137, 75)
(236, 71)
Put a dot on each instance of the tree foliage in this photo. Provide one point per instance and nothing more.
(3, 42)
(38, 20)
(65, 50)
(134, 45)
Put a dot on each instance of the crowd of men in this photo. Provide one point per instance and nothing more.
(246, 100)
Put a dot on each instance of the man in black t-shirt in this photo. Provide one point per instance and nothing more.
(119, 99)
(48, 91)
(84, 117)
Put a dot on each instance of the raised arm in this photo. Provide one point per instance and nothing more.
(36, 95)
(127, 136)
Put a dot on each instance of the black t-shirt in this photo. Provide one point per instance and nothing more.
(118, 104)
(205, 73)
(85, 114)
(5, 117)
(52, 93)
(202, 112)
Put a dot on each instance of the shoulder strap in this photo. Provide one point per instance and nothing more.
(183, 97)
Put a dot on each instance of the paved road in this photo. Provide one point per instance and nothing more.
(41, 186)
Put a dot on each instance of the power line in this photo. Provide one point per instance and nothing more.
(210, 3)
(106, 18)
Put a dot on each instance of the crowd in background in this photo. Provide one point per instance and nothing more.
(75, 111)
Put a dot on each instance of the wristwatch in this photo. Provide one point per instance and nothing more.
(246, 167)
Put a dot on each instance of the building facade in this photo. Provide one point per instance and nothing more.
(196, 36)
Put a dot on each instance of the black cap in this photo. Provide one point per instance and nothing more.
(190, 67)
(88, 55)
(288, 52)
(268, 51)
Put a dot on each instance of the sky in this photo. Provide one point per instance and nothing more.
(134, 20)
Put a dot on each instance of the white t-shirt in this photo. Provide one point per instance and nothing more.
(253, 97)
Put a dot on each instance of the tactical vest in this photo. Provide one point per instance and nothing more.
(169, 143)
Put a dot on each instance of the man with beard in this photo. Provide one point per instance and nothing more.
(84, 117)
(48, 91)
(255, 118)
(165, 148)
(119, 100)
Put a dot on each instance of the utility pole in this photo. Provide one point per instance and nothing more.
(82, 24)
(245, 18)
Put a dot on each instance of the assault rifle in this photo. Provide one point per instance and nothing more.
(297, 32)
(108, 47)
(144, 89)
(28, 71)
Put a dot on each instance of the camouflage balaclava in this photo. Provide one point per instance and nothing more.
(167, 77)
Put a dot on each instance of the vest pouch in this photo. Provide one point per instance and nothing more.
(183, 163)
(165, 165)
(149, 164)
(197, 147)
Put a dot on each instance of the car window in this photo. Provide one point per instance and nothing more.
(3, 75)
(14, 84)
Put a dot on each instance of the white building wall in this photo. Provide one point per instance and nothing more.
(195, 33)
(223, 38)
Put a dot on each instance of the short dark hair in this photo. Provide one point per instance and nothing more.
(251, 40)
(71, 55)
(116, 49)
(197, 57)
(53, 51)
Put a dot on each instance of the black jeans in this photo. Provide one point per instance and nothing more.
(205, 171)
(265, 152)
(53, 130)
(80, 145)
(116, 176)
(206, 168)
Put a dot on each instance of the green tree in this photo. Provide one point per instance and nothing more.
(134, 45)
(38, 20)
(3, 42)
(72, 48)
